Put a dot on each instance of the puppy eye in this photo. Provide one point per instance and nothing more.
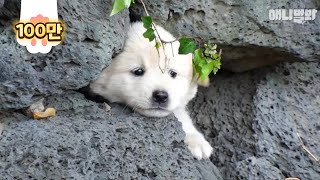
(138, 72)
(172, 73)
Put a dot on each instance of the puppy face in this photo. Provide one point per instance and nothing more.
(152, 82)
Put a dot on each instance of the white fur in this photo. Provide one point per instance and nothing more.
(118, 84)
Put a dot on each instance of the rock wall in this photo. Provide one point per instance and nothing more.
(253, 119)
(250, 118)
(82, 141)
(85, 142)
(242, 28)
(92, 38)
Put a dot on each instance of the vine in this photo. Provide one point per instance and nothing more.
(206, 59)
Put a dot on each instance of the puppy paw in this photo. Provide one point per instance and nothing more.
(198, 145)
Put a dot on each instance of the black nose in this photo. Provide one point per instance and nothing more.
(160, 96)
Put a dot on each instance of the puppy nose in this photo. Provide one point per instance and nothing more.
(160, 96)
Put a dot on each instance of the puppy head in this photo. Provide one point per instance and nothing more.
(152, 82)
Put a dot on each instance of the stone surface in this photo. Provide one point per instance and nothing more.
(85, 142)
(92, 37)
(242, 28)
(1, 3)
(287, 103)
(253, 118)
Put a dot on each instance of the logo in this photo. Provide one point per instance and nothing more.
(296, 15)
(39, 28)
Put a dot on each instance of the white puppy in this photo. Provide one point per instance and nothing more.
(152, 84)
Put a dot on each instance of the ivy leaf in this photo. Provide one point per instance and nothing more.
(206, 70)
(149, 34)
(119, 5)
(216, 56)
(147, 21)
(214, 46)
(206, 61)
(187, 46)
(198, 63)
(216, 65)
(197, 56)
(158, 45)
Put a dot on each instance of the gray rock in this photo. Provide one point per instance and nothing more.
(252, 120)
(287, 103)
(85, 142)
(92, 37)
(1, 3)
(224, 113)
(242, 29)
(257, 168)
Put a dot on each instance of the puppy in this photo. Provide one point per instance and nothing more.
(154, 82)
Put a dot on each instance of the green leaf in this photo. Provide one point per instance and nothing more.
(203, 62)
(127, 3)
(214, 47)
(158, 45)
(216, 66)
(206, 70)
(147, 21)
(119, 5)
(206, 61)
(149, 34)
(187, 46)
(198, 69)
(197, 56)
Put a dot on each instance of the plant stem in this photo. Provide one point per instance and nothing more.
(157, 37)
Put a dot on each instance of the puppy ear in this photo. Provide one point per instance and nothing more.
(204, 83)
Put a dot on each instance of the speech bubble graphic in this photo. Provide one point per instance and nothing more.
(39, 28)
